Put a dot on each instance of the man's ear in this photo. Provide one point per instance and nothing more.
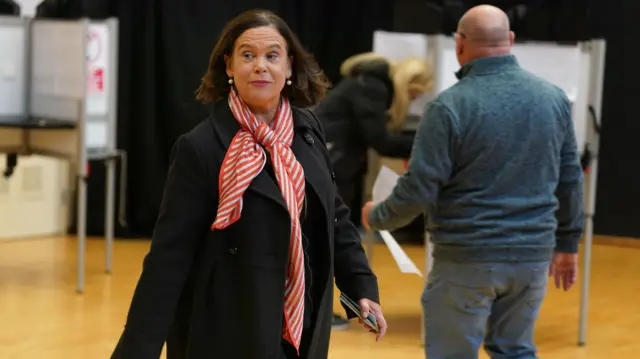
(512, 37)
(227, 62)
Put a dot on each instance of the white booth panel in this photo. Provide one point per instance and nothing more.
(31, 202)
(13, 44)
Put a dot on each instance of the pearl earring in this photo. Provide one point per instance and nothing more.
(230, 81)
(289, 82)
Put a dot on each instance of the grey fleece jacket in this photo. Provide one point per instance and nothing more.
(494, 167)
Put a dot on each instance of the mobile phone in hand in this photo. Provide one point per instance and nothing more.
(370, 320)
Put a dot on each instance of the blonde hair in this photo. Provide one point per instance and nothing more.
(347, 66)
(411, 74)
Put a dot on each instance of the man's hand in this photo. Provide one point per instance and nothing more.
(365, 214)
(564, 269)
(367, 306)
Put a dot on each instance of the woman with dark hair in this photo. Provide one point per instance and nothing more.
(251, 230)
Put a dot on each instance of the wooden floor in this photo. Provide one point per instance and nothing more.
(41, 316)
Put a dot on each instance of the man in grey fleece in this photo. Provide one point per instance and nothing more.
(495, 168)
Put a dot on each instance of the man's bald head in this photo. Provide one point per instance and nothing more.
(485, 25)
(484, 31)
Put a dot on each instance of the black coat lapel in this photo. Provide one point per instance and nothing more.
(305, 147)
(226, 128)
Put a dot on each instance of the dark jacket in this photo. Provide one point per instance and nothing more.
(354, 115)
(220, 294)
(9, 7)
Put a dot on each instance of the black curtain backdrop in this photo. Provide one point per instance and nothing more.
(164, 51)
(535, 20)
(165, 45)
(618, 197)
(9, 7)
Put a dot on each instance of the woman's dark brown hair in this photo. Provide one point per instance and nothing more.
(308, 82)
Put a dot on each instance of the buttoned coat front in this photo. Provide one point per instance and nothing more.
(220, 294)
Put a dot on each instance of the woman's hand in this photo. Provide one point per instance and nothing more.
(367, 306)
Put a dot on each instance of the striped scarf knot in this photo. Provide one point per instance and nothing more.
(265, 136)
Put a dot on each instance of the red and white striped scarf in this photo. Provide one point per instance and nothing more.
(243, 161)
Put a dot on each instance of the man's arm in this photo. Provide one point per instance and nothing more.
(429, 168)
(570, 191)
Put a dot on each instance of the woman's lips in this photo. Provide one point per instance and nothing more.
(259, 83)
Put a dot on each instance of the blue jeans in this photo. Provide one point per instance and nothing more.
(466, 304)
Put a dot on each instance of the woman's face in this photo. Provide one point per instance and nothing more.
(259, 67)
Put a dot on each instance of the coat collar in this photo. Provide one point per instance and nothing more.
(226, 127)
(487, 65)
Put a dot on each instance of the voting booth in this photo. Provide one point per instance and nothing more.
(58, 98)
(577, 69)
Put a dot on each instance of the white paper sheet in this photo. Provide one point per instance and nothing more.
(382, 188)
(405, 263)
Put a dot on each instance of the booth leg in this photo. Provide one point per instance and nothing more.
(586, 261)
(597, 66)
(109, 219)
(82, 232)
(586, 278)
(428, 264)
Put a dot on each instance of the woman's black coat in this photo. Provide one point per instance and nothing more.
(219, 294)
